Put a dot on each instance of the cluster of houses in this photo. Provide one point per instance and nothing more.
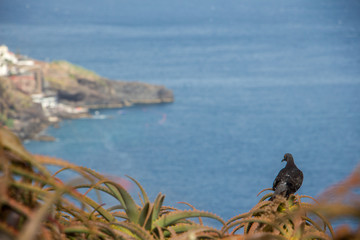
(28, 78)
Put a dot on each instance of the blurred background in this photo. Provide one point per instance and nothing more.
(252, 81)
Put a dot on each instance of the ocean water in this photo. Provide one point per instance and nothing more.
(252, 80)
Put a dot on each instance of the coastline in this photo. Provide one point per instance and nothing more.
(35, 94)
(41, 136)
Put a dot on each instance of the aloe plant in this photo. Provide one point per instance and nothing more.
(36, 204)
(58, 210)
(280, 219)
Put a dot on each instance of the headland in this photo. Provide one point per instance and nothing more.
(36, 94)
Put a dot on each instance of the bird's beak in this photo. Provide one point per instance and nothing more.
(283, 160)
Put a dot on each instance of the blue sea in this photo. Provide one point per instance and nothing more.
(252, 80)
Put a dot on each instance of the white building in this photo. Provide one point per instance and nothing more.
(6, 55)
(24, 61)
(3, 69)
(46, 101)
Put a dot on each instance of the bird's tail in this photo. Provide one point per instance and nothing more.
(281, 189)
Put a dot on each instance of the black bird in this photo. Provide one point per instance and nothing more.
(289, 179)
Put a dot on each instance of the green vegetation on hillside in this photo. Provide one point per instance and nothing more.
(75, 69)
(12, 102)
(4, 120)
(63, 72)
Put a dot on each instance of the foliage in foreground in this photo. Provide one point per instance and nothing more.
(36, 204)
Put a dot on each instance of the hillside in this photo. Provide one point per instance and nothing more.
(18, 112)
(35, 94)
(80, 87)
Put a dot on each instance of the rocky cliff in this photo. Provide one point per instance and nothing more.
(80, 87)
(74, 87)
(18, 112)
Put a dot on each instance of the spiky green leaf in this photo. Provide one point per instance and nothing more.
(174, 217)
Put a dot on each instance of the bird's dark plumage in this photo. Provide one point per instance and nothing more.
(289, 179)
